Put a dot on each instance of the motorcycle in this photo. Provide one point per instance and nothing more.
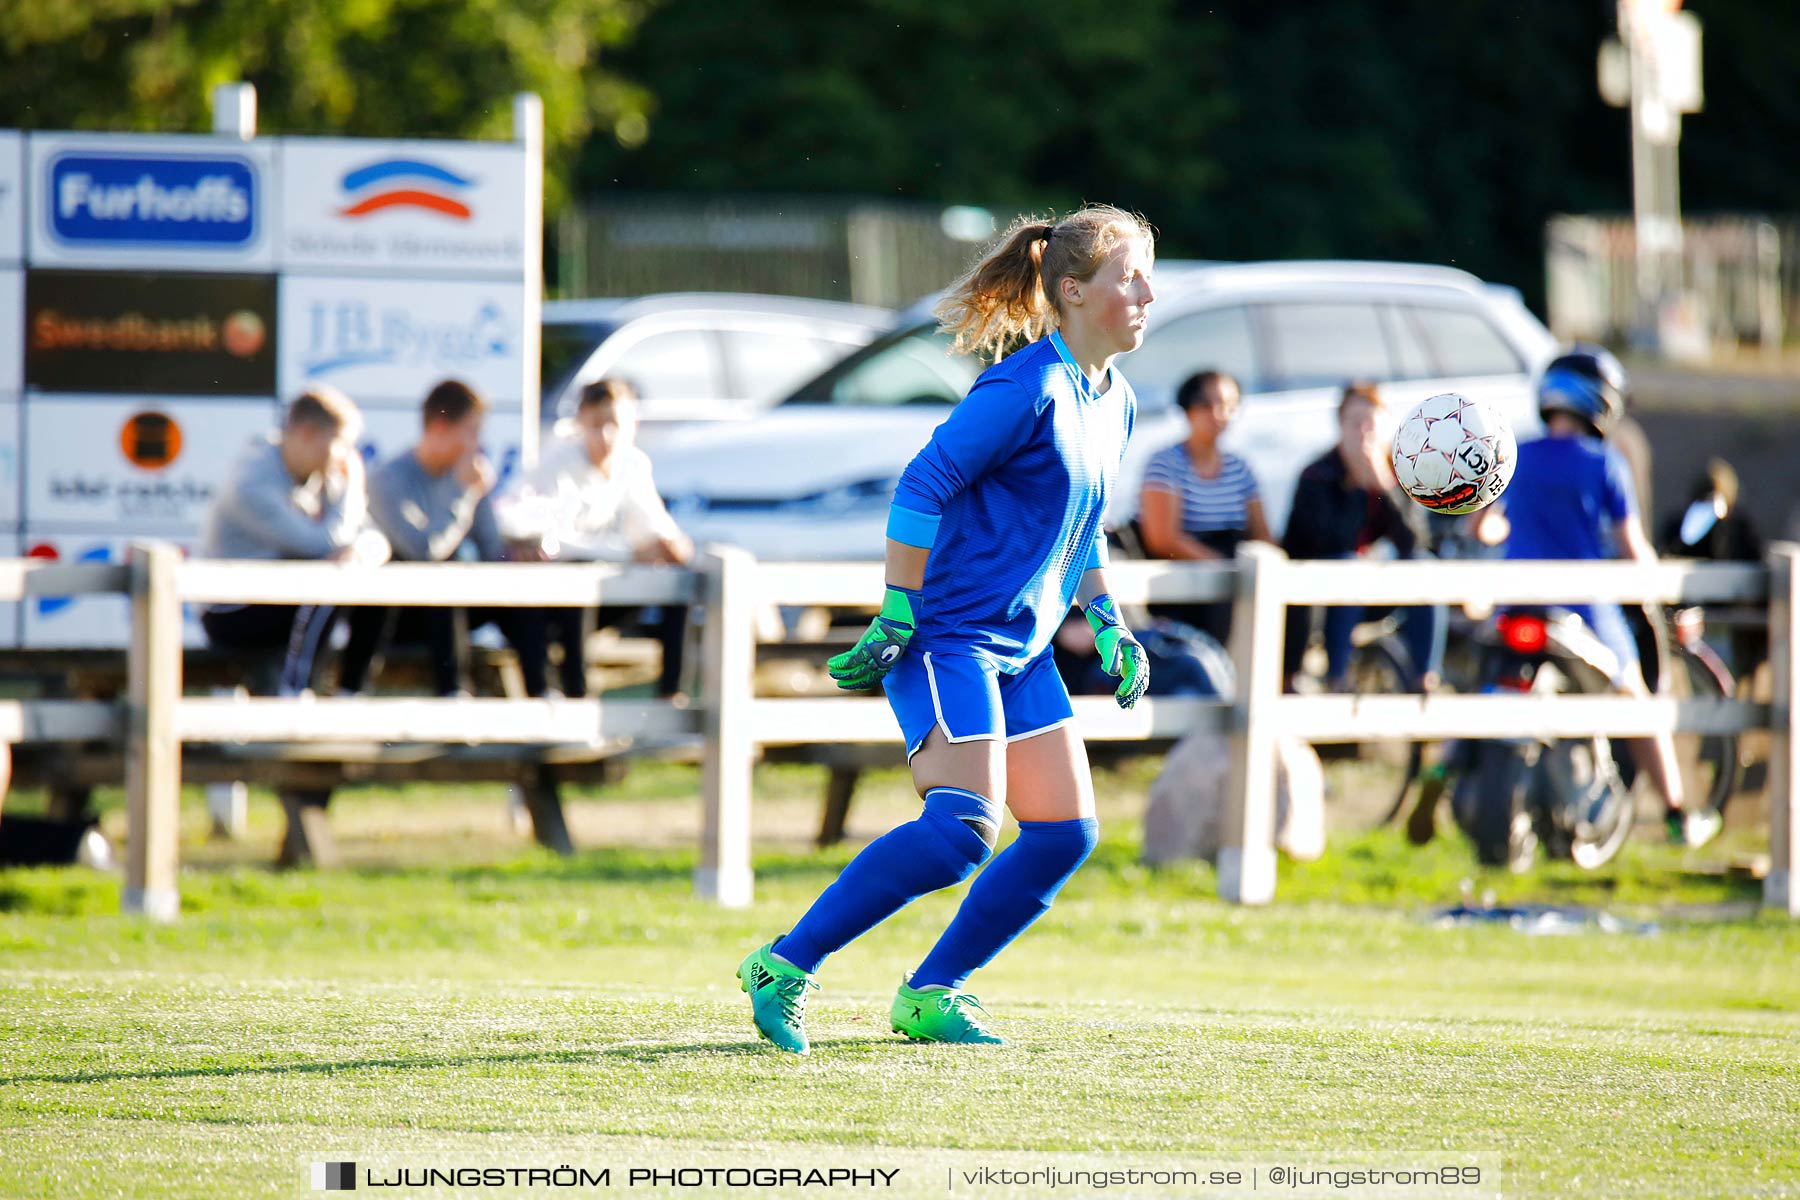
(1570, 796)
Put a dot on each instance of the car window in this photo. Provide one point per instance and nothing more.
(679, 364)
(916, 369)
(1412, 359)
(1216, 339)
(565, 349)
(1464, 343)
(1325, 344)
(765, 365)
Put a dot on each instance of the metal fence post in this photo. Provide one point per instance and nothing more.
(1781, 887)
(1258, 620)
(727, 689)
(152, 751)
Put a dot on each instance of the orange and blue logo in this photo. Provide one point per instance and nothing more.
(405, 183)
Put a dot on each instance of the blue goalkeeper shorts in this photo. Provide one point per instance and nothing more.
(971, 700)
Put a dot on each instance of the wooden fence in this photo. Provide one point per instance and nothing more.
(733, 723)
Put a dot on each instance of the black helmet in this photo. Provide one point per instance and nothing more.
(1585, 381)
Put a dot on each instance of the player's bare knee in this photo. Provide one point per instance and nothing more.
(975, 766)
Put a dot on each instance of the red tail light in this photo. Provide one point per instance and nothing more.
(1524, 634)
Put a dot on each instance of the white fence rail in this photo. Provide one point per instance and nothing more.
(59, 720)
(1247, 859)
(161, 718)
(734, 723)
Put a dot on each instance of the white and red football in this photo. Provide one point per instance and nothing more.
(1454, 455)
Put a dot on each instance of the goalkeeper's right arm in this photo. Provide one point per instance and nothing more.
(987, 428)
(882, 644)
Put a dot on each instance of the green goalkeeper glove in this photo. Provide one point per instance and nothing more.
(881, 645)
(1120, 653)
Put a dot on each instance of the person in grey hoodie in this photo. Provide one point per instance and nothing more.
(432, 503)
(295, 493)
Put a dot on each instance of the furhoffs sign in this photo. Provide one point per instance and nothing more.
(127, 199)
(139, 332)
(185, 202)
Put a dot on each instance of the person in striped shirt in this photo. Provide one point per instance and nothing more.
(1199, 501)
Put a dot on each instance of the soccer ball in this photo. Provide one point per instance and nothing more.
(1454, 455)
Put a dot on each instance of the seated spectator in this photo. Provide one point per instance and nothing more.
(432, 502)
(593, 498)
(1347, 501)
(1715, 527)
(297, 493)
(1199, 501)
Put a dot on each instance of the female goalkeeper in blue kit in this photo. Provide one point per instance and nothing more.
(994, 532)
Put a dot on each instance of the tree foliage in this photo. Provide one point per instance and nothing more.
(1407, 129)
(361, 67)
(1009, 102)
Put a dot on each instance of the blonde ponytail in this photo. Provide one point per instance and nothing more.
(1008, 298)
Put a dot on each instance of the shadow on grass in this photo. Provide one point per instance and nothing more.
(635, 1052)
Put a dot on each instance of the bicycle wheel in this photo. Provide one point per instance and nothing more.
(1383, 668)
(1709, 762)
(1488, 804)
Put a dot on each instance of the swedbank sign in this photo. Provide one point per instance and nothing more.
(150, 333)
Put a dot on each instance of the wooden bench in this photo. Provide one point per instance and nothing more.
(69, 771)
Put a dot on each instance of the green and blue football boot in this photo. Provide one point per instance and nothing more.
(941, 1015)
(777, 997)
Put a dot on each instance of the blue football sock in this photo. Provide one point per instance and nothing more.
(1012, 893)
(952, 837)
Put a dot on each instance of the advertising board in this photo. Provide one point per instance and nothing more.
(87, 622)
(159, 333)
(412, 206)
(139, 467)
(387, 341)
(9, 610)
(9, 461)
(12, 329)
(12, 196)
(183, 201)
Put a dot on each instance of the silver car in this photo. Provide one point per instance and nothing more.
(812, 477)
(700, 356)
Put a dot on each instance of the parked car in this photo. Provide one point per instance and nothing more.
(812, 477)
(697, 356)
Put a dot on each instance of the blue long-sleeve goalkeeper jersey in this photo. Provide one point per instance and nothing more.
(1009, 496)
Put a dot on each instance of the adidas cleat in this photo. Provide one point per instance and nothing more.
(777, 998)
(941, 1015)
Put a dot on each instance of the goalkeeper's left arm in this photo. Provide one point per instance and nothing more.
(1120, 653)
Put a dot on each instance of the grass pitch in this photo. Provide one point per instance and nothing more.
(455, 988)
